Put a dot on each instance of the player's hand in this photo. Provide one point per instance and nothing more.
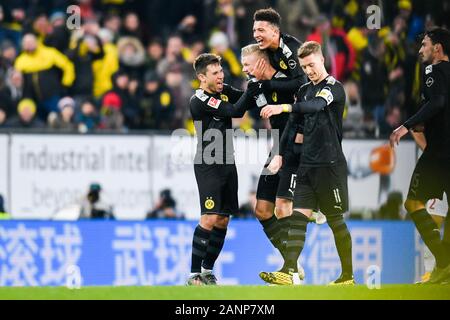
(260, 69)
(275, 165)
(254, 88)
(271, 110)
(396, 135)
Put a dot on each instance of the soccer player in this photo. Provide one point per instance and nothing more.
(431, 176)
(275, 189)
(215, 171)
(281, 49)
(322, 174)
(438, 210)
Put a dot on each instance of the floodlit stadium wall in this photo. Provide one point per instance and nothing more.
(84, 253)
(44, 176)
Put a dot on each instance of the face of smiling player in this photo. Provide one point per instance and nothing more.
(212, 80)
(266, 35)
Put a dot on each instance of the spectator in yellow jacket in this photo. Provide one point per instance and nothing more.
(105, 68)
(42, 79)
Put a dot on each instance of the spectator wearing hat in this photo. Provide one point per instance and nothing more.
(87, 118)
(25, 119)
(111, 117)
(131, 56)
(64, 120)
(59, 35)
(92, 205)
(156, 104)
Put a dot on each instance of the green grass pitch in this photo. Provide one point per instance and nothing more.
(306, 292)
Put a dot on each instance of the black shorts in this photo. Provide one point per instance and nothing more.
(218, 188)
(280, 185)
(430, 179)
(322, 188)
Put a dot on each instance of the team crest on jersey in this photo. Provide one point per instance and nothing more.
(429, 69)
(224, 97)
(429, 82)
(292, 64)
(213, 102)
(209, 203)
(164, 99)
(274, 97)
(283, 65)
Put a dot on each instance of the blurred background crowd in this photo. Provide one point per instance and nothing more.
(127, 65)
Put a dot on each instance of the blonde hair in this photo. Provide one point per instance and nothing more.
(308, 48)
(253, 49)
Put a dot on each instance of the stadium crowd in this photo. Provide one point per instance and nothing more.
(128, 65)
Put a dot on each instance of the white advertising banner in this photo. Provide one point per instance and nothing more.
(52, 172)
(4, 154)
(375, 170)
(173, 169)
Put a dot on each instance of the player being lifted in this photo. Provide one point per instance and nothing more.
(275, 190)
(431, 177)
(322, 174)
(281, 51)
(215, 171)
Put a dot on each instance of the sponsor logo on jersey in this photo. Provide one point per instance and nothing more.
(292, 64)
(429, 69)
(429, 82)
(213, 103)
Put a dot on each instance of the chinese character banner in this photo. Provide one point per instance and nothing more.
(38, 253)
